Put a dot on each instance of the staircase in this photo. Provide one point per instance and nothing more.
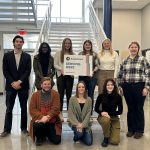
(17, 11)
(77, 32)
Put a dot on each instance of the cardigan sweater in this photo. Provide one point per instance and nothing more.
(76, 115)
(36, 114)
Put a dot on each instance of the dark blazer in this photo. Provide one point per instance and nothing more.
(12, 74)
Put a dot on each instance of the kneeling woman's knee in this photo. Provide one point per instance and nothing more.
(104, 120)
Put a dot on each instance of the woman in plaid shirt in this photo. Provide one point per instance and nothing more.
(134, 80)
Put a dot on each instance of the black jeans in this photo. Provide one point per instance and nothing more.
(10, 101)
(135, 103)
(64, 83)
(42, 130)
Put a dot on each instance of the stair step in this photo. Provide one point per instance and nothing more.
(15, 4)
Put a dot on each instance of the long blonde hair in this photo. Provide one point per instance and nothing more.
(110, 49)
(63, 49)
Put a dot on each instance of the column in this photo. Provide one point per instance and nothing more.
(1, 59)
(107, 15)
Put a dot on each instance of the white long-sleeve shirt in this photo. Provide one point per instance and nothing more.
(109, 61)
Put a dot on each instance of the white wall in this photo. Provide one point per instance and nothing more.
(146, 27)
(126, 27)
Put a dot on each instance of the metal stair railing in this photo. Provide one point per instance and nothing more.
(33, 2)
(45, 28)
(96, 26)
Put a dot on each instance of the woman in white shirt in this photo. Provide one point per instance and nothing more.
(64, 82)
(109, 63)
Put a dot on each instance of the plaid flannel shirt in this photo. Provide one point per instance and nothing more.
(134, 71)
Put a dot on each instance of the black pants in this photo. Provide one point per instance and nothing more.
(10, 101)
(135, 103)
(64, 83)
(42, 130)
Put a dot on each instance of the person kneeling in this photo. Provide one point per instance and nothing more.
(109, 106)
(44, 109)
(79, 113)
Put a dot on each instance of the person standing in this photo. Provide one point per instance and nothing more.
(43, 65)
(44, 109)
(64, 82)
(16, 69)
(90, 81)
(109, 106)
(109, 64)
(79, 113)
(134, 82)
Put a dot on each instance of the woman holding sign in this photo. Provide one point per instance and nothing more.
(91, 80)
(64, 82)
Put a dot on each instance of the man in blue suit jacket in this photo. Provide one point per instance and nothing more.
(16, 69)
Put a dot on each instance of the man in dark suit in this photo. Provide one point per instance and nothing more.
(16, 69)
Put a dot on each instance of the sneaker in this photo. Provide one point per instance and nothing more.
(4, 134)
(25, 132)
(38, 142)
(129, 134)
(138, 135)
(105, 142)
(61, 117)
(77, 142)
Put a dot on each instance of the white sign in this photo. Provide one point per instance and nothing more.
(78, 65)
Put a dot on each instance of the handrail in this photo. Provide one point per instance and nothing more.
(96, 26)
(34, 10)
(43, 36)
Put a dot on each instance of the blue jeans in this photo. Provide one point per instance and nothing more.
(85, 136)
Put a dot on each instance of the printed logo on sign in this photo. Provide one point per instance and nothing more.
(67, 58)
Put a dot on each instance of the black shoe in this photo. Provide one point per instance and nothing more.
(25, 132)
(4, 134)
(138, 135)
(105, 142)
(38, 142)
(129, 134)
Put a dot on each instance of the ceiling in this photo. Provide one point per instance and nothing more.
(123, 4)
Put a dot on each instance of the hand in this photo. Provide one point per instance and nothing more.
(121, 91)
(105, 114)
(44, 119)
(145, 92)
(62, 72)
(79, 127)
(16, 85)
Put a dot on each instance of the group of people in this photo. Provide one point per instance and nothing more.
(131, 79)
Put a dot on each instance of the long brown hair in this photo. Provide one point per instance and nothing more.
(115, 90)
(85, 93)
(63, 50)
(84, 50)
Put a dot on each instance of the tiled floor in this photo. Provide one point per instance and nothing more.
(16, 141)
